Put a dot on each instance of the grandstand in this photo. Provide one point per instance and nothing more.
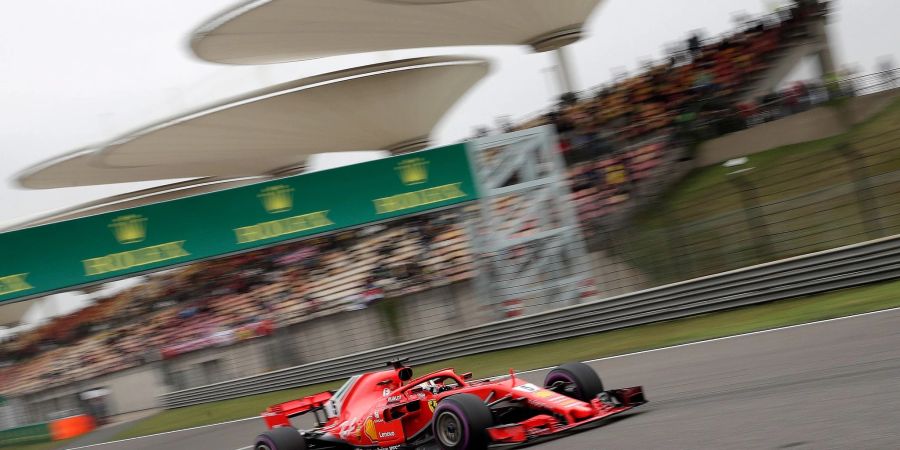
(623, 144)
(225, 301)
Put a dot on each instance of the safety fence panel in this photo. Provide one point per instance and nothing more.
(844, 267)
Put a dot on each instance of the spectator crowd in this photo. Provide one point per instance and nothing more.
(612, 141)
(694, 93)
(220, 302)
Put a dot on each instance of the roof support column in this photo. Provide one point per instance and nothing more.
(564, 70)
(824, 56)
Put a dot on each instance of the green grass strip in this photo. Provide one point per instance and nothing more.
(38, 446)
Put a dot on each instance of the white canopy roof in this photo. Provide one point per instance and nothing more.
(386, 106)
(270, 31)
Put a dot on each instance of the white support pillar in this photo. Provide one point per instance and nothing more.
(824, 55)
(564, 70)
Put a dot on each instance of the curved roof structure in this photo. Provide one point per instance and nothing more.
(271, 31)
(386, 106)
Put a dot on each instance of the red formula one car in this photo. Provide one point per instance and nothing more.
(446, 410)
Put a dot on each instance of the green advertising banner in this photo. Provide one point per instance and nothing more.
(52, 257)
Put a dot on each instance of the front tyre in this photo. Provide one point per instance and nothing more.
(576, 380)
(280, 438)
(460, 422)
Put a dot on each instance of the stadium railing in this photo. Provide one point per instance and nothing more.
(824, 271)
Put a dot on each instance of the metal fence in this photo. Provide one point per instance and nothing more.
(845, 267)
(873, 83)
(412, 281)
(806, 199)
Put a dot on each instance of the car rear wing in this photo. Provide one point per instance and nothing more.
(279, 415)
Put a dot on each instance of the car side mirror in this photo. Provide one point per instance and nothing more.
(467, 376)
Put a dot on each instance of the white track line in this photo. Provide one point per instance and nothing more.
(751, 333)
(168, 432)
(770, 330)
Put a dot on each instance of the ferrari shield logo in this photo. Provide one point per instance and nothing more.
(432, 404)
(369, 429)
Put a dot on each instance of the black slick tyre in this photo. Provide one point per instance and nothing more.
(460, 422)
(579, 381)
(280, 438)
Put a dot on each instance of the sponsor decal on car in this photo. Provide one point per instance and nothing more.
(387, 434)
(385, 392)
(369, 429)
(527, 387)
(432, 404)
(349, 427)
(395, 398)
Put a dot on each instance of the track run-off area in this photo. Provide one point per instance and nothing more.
(823, 385)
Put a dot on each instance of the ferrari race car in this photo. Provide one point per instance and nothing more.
(446, 410)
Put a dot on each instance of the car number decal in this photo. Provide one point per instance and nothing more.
(527, 387)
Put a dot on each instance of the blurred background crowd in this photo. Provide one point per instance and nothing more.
(615, 140)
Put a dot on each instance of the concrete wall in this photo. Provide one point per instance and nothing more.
(12, 414)
(216, 364)
(444, 310)
(131, 390)
(436, 311)
(424, 314)
(339, 334)
(819, 123)
(135, 389)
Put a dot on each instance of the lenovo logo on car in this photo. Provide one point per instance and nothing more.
(387, 434)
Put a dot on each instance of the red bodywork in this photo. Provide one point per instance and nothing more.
(379, 410)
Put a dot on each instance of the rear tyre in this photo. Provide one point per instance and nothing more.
(577, 380)
(280, 438)
(460, 422)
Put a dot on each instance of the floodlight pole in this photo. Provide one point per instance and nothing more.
(753, 213)
(868, 204)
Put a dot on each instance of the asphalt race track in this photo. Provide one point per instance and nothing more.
(829, 385)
